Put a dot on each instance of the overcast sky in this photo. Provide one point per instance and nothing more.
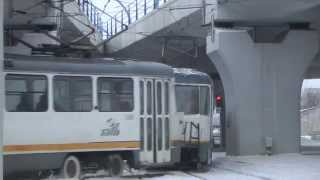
(101, 3)
(312, 83)
(112, 7)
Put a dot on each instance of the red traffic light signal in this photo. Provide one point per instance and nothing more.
(218, 100)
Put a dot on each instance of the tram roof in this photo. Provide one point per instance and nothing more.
(86, 66)
(184, 75)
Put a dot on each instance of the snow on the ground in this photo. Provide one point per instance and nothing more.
(276, 167)
(176, 175)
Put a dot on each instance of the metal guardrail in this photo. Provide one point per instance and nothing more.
(93, 14)
(111, 25)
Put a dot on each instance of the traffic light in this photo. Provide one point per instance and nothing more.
(219, 101)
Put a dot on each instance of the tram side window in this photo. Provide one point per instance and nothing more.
(149, 98)
(72, 94)
(204, 100)
(115, 94)
(26, 93)
(187, 99)
(167, 98)
(141, 97)
(159, 97)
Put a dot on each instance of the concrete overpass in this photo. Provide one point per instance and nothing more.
(172, 34)
(262, 50)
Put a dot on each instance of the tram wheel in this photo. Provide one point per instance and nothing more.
(71, 167)
(115, 165)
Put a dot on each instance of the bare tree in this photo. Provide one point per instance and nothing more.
(310, 97)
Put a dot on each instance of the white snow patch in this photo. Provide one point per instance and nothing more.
(276, 167)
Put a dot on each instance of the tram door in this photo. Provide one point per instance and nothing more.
(154, 121)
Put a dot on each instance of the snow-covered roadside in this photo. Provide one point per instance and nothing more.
(177, 175)
(276, 167)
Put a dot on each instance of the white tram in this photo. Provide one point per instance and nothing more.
(66, 114)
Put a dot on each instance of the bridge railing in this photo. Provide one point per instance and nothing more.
(93, 14)
(110, 25)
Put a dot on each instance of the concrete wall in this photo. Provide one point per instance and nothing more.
(262, 11)
(169, 19)
(313, 71)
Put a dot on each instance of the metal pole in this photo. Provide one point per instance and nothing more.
(107, 29)
(1, 86)
(115, 25)
(204, 13)
(137, 10)
(145, 7)
(94, 16)
(98, 21)
(91, 13)
(87, 8)
(164, 47)
(129, 15)
(121, 20)
(111, 28)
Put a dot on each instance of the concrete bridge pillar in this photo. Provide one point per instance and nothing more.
(262, 83)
